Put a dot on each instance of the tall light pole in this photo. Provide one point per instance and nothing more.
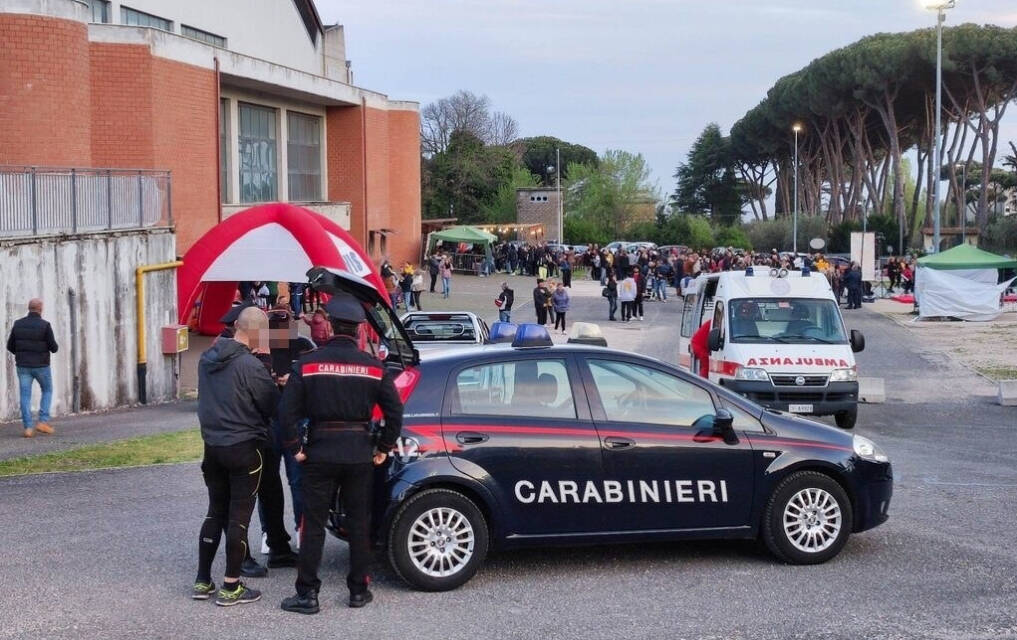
(940, 6)
(557, 175)
(796, 127)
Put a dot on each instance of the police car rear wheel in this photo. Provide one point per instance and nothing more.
(808, 519)
(438, 540)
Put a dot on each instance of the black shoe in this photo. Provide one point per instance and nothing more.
(358, 600)
(306, 604)
(285, 558)
(251, 569)
(239, 594)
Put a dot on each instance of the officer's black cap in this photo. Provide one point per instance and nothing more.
(343, 307)
(234, 313)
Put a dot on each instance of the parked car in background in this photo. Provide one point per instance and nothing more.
(434, 331)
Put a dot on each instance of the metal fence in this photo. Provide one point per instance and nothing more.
(51, 200)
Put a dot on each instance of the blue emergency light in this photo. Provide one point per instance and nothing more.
(502, 332)
(805, 272)
(532, 335)
(748, 271)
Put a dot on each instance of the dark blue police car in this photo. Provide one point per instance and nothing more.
(525, 444)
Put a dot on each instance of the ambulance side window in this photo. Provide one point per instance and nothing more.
(689, 315)
(718, 317)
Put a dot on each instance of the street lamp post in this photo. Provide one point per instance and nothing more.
(557, 160)
(940, 6)
(794, 225)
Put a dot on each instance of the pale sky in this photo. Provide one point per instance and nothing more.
(641, 75)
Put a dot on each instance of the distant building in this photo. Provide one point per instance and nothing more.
(949, 237)
(242, 102)
(538, 205)
(640, 210)
(1010, 206)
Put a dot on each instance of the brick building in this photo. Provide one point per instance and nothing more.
(538, 205)
(243, 102)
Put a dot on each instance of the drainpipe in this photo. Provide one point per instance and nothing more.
(218, 147)
(139, 287)
(72, 301)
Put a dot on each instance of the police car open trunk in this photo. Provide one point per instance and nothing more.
(380, 314)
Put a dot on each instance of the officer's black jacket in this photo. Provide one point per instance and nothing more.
(337, 387)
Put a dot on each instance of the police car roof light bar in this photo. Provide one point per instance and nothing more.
(503, 332)
(532, 335)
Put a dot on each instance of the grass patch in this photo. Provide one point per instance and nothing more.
(998, 373)
(178, 446)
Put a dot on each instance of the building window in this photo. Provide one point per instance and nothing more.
(204, 36)
(100, 10)
(141, 19)
(258, 155)
(224, 149)
(303, 156)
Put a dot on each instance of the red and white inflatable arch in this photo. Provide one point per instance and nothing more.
(272, 242)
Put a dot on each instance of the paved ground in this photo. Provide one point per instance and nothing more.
(111, 554)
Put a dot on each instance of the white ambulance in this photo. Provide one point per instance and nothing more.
(777, 337)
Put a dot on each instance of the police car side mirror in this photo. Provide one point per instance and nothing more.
(857, 341)
(716, 342)
(723, 426)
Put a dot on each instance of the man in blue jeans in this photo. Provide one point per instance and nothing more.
(31, 341)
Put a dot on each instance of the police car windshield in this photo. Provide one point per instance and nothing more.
(785, 320)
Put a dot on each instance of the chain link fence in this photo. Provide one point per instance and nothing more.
(54, 200)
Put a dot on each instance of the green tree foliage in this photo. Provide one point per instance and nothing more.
(779, 233)
(464, 180)
(889, 228)
(538, 154)
(840, 236)
(601, 195)
(707, 180)
(502, 207)
(732, 236)
(700, 233)
(1001, 235)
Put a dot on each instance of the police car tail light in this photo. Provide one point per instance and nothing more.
(868, 450)
(844, 375)
(757, 375)
(405, 382)
(532, 335)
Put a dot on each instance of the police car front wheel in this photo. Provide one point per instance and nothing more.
(808, 518)
(438, 540)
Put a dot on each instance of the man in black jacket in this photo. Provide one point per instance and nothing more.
(337, 388)
(236, 400)
(31, 341)
(507, 297)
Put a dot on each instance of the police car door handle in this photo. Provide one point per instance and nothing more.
(471, 437)
(614, 442)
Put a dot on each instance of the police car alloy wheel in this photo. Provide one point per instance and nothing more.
(438, 540)
(807, 519)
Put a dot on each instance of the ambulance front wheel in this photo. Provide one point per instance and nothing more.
(847, 419)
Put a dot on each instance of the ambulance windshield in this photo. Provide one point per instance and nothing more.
(786, 321)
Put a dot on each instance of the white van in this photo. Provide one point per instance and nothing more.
(777, 338)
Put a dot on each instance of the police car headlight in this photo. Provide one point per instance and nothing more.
(844, 375)
(757, 375)
(867, 449)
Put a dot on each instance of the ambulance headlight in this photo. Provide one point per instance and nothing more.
(844, 375)
(756, 375)
(867, 449)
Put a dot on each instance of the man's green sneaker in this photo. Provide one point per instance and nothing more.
(238, 595)
(203, 590)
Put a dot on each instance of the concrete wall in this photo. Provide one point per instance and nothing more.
(270, 30)
(538, 206)
(100, 270)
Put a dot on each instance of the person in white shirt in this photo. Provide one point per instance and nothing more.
(626, 295)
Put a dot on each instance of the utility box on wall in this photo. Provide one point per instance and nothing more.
(174, 339)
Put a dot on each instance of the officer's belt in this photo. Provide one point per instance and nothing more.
(339, 425)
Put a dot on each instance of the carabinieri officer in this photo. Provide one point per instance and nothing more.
(337, 387)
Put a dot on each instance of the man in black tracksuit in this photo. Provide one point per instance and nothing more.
(236, 400)
(336, 388)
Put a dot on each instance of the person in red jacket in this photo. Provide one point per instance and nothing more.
(701, 348)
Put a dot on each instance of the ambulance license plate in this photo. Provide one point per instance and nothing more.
(799, 408)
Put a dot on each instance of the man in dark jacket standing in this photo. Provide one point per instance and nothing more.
(337, 388)
(506, 297)
(236, 400)
(31, 341)
(853, 284)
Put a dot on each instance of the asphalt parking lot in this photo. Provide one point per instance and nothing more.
(111, 554)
